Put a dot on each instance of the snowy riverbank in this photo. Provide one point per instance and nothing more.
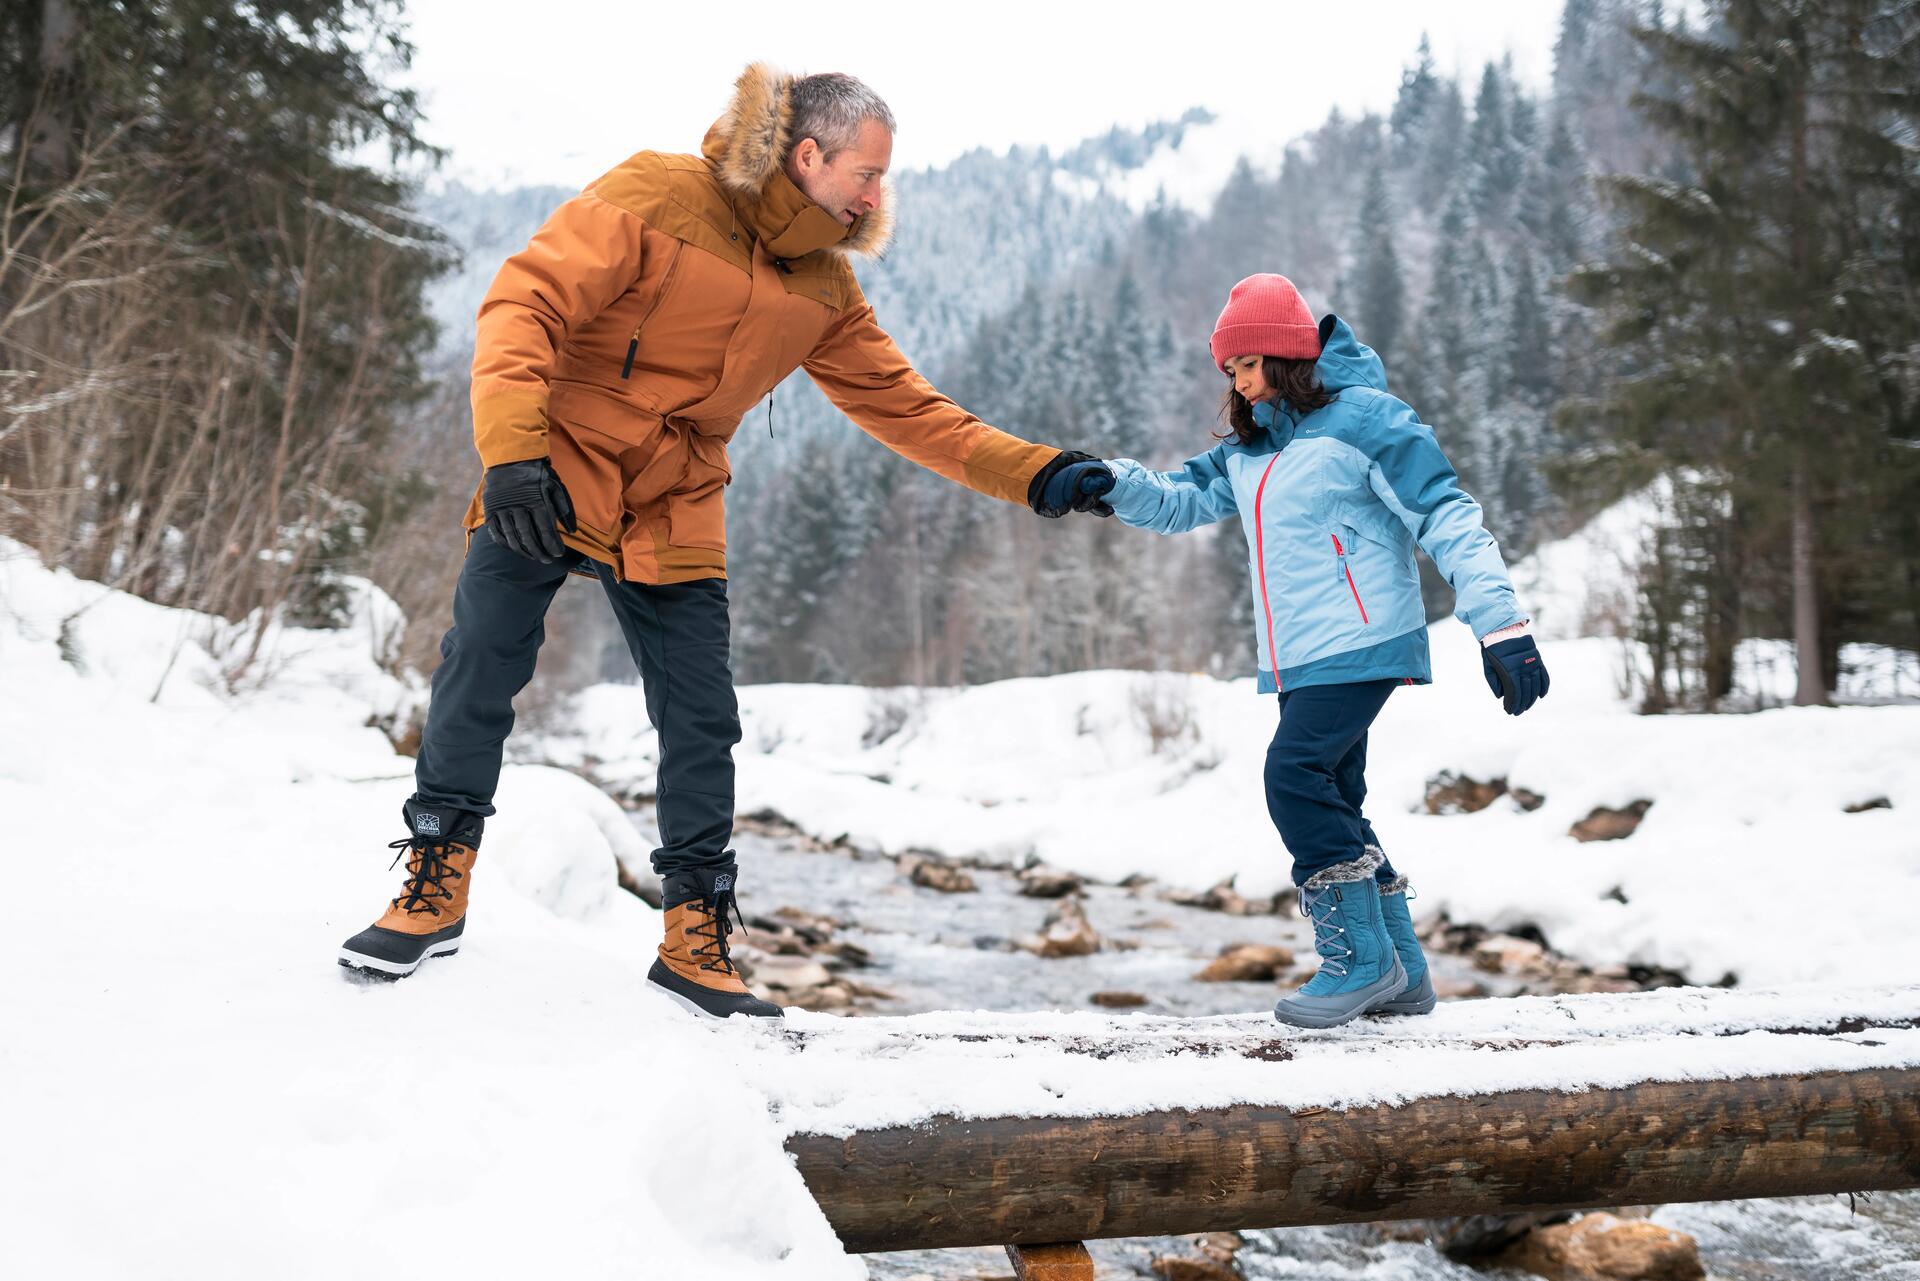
(1115, 773)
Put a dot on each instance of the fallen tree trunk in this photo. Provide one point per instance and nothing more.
(1018, 1180)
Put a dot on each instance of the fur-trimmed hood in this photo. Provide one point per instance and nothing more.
(748, 142)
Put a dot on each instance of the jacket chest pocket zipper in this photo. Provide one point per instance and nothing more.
(633, 343)
(1346, 572)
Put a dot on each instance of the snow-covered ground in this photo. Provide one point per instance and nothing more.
(189, 1089)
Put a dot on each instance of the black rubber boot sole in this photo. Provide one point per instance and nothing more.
(377, 953)
(706, 1002)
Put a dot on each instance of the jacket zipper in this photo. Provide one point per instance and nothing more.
(633, 343)
(1260, 561)
(1347, 569)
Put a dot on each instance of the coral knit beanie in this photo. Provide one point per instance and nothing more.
(1265, 316)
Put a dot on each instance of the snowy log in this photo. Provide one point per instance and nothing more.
(954, 1183)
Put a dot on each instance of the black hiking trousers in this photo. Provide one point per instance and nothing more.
(678, 635)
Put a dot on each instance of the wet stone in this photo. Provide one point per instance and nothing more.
(1602, 1247)
(1247, 963)
(936, 874)
(1118, 1000)
(1066, 932)
(1048, 882)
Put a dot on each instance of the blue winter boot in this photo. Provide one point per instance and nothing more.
(1358, 968)
(1419, 997)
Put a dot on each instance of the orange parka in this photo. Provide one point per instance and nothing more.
(653, 310)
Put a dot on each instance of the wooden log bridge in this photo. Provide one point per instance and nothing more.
(1561, 1103)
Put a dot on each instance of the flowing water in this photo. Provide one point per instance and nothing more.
(931, 950)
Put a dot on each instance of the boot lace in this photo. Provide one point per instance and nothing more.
(714, 954)
(426, 875)
(1329, 940)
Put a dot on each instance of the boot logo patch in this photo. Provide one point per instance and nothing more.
(426, 824)
(723, 882)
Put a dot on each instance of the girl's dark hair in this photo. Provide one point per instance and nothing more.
(1295, 382)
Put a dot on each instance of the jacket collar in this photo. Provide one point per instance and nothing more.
(786, 222)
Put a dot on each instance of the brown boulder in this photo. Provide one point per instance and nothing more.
(1175, 1268)
(936, 874)
(1609, 824)
(1066, 932)
(1048, 882)
(1247, 963)
(1451, 793)
(1601, 1247)
(1119, 1000)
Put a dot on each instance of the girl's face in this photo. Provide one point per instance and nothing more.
(1250, 378)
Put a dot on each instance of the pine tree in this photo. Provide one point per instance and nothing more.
(1414, 105)
(1379, 290)
(1493, 153)
(1741, 289)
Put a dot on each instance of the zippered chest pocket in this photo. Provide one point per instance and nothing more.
(1344, 543)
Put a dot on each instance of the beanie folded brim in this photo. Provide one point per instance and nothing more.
(1263, 338)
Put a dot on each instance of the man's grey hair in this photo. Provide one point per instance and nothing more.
(830, 108)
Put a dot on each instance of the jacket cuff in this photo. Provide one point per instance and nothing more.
(1512, 631)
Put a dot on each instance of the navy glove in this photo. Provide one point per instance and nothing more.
(1515, 673)
(1071, 482)
(525, 505)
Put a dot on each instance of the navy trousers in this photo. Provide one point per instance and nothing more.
(1317, 774)
(678, 635)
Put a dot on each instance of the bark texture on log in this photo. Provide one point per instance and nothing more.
(1039, 1179)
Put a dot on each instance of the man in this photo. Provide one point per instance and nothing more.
(615, 357)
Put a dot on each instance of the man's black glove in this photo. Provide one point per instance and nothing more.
(526, 505)
(1071, 482)
(1515, 673)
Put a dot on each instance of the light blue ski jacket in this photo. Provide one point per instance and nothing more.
(1332, 504)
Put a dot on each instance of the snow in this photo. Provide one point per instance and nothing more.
(1189, 173)
(189, 838)
(180, 864)
(854, 1074)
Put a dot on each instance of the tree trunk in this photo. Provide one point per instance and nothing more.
(1811, 690)
(994, 1181)
(53, 122)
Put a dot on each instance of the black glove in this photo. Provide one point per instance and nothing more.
(525, 505)
(1071, 482)
(1515, 673)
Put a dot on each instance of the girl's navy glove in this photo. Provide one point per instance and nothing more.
(1515, 673)
(1072, 482)
(525, 505)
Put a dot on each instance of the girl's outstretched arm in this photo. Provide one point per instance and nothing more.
(1414, 479)
(1172, 502)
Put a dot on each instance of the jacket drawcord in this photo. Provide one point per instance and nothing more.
(770, 413)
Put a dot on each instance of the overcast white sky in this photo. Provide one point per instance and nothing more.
(560, 90)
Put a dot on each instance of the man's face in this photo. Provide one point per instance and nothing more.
(848, 185)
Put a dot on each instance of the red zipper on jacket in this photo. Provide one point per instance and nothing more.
(1341, 552)
(1260, 560)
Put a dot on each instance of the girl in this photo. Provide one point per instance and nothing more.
(1335, 481)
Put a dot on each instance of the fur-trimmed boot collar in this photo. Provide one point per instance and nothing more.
(1359, 869)
(747, 144)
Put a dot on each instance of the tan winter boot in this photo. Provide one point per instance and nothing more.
(694, 966)
(430, 914)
